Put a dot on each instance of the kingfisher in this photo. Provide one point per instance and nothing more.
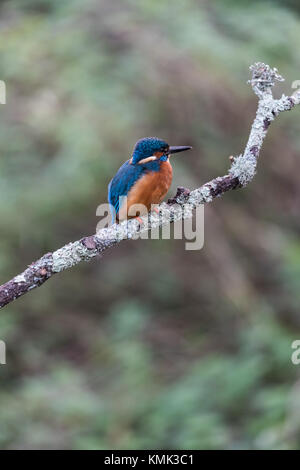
(144, 179)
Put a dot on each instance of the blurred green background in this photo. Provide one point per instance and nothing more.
(152, 346)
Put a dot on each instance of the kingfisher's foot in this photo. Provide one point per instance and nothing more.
(140, 221)
(181, 192)
(156, 210)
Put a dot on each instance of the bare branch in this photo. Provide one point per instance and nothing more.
(242, 171)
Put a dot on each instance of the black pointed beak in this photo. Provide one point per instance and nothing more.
(179, 148)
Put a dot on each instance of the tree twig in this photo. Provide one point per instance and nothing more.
(241, 172)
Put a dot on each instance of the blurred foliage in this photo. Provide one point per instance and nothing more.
(151, 346)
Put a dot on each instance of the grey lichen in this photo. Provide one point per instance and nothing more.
(205, 193)
(243, 168)
(20, 278)
(201, 195)
(263, 77)
(70, 255)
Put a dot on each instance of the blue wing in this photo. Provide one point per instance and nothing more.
(121, 184)
(124, 180)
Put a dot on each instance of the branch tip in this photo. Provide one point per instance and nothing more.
(263, 77)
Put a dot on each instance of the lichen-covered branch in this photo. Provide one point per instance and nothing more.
(242, 171)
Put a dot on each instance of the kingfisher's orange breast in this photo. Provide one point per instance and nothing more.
(149, 189)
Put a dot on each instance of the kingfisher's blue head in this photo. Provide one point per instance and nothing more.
(152, 148)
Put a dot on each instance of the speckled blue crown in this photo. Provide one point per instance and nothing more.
(146, 147)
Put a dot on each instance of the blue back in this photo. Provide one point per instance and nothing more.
(125, 179)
